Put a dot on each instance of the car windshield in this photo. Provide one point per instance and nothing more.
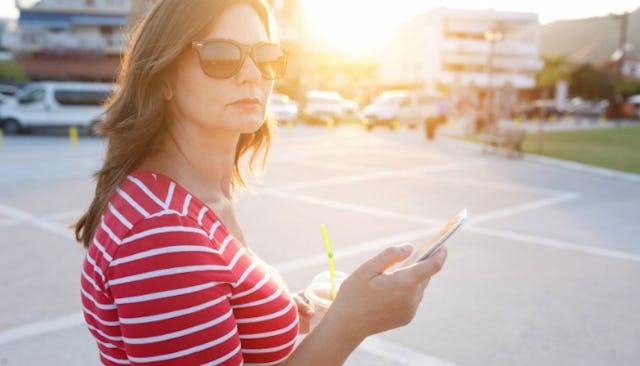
(389, 99)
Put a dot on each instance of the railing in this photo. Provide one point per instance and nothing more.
(65, 43)
(483, 47)
(85, 6)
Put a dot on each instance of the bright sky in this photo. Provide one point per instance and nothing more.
(354, 24)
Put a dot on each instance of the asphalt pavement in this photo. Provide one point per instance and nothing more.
(545, 271)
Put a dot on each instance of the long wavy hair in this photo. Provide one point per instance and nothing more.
(136, 113)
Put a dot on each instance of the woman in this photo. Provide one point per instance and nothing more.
(168, 278)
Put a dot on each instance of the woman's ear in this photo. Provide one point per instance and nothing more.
(167, 91)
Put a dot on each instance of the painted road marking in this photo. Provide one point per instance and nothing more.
(36, 221)
(43, 327)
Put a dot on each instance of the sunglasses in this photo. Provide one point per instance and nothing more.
(223, 58)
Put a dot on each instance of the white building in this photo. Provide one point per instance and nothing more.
(456, 47)
(74, 25)
(69, 39)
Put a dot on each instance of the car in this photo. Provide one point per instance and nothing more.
(634, 101)
(327, 107)
(579, 107)
(409, 108)
(282, 108)
(541, 108)
(54, 104)
(8, 90)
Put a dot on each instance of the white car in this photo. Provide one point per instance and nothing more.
(404, 108)
(327, 107)
(634, 100)
(282, 108)
(53, 105)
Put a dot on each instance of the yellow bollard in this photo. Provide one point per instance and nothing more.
(517, 121)
(330, 123)
(601, 120)
(73, 134)
(290, 126)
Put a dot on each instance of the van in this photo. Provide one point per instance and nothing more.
(327, 107)
(408, 108)
(54, 105)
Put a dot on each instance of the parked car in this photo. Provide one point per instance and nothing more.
(8, 90)
(53, 105)
(327, 107)
(541, 108)
(634, 100)
(282, 108)
(586, 108)
(405, 108)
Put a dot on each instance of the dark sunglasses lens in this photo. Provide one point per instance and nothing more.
(220, 59)
(271, 60)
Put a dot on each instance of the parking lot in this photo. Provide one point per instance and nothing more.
(544, 273)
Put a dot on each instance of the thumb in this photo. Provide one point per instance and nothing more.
(386, 258)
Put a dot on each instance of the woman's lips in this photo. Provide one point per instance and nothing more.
(246, 103)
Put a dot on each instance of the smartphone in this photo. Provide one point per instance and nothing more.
(431, 245)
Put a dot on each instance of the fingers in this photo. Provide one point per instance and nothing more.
(423, 270)
(304, 308)
(385, 259)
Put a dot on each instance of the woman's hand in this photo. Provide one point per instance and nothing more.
(305, 311)
(371, 300)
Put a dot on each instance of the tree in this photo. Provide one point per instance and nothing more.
(555, 69)
(590, 83)
(11, 70)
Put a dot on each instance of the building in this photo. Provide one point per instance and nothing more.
(628, 66)
(466, 50)
(70, 39)
(84, 39)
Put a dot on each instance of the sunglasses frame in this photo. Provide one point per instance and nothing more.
(244, 51)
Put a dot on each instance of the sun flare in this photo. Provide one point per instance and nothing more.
(355, 28)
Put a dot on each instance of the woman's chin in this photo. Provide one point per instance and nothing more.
(250, 125)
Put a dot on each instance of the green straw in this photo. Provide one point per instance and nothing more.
(332, 268)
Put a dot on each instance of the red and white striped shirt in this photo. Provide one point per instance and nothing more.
(165, 283)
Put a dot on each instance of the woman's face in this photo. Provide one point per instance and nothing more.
(236, 104)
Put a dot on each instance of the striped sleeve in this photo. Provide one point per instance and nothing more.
(172, 291)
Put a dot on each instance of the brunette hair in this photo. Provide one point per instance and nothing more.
(136, 114)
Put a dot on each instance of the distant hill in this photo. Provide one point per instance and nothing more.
(589, 39)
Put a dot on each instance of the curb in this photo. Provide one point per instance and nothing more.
(567, 164)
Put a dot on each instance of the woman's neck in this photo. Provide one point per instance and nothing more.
(202, 163)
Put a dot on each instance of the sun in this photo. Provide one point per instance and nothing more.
(355, 28)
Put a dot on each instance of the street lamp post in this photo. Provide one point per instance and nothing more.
(492, 36)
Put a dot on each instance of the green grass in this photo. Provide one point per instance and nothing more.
(614, 148)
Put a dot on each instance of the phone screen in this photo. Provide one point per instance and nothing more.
(431, 245)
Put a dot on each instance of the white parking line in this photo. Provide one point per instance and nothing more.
(43, 327)
(530, 239)
(430, 168)
(554, 243)
(36, 221)
(66, 215)
(513, 210)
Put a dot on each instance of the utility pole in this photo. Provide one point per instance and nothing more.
(620, 56)
(624, 23)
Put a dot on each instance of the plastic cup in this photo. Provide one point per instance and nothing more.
(319, 294)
